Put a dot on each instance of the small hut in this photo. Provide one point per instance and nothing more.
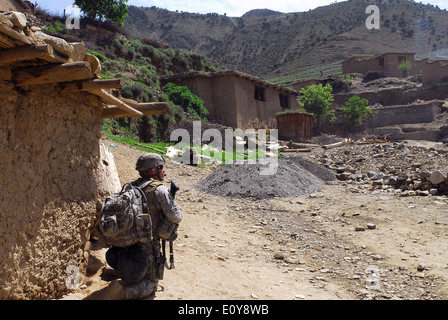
(52, 104)
(294, 125)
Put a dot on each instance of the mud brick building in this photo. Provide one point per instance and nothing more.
(237, 99)
(53, 176)
(432, 70)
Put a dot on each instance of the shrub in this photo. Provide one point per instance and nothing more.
(137, 44)
(119, 43)
(347, 79)
(137, 91)
(356, 110)
(183, 97)
(100, 56)
(405, 66)
(130, 54)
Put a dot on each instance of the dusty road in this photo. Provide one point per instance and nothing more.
(307, 247)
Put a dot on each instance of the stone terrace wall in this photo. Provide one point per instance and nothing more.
(394, 96)
(49, 146)
(393, 115)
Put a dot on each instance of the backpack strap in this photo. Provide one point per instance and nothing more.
(143, 184)
(139, 185)
(148, 187)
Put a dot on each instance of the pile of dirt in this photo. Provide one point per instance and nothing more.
(295, 176)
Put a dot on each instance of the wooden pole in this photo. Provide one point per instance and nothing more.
(6, 42)
(5, 73)
(96, 84)
(110, 99)
(59, 45)
(44, 52)
(102, 84)
(147, 109)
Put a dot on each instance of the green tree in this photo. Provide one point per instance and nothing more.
(114, 10)
(405, 66)
(356, 110)
(317, 100)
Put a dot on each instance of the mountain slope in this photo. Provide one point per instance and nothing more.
(274, 44)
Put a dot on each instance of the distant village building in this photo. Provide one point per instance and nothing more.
(435, 71)
(387, 62)
(237, 99)
(432, 71)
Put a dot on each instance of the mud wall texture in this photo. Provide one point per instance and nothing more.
(49, 146)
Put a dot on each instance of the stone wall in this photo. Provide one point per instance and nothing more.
(419, 113)
(394, 96)
(434, 72)
(49, 144)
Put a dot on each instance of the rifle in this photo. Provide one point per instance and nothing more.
(173, 190)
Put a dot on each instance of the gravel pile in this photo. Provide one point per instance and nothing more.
(295, 176)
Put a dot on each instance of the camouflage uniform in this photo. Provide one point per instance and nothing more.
(141, 265)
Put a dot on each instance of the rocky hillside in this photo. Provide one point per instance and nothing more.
(139, 62)
(309, 44)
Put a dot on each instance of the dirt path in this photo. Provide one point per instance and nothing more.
(301, 247)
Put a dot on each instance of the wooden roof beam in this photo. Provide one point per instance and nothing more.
(111, 100)
(6, 42)
(52, 74)
(44, 52)
(148, 109)
(95, 84)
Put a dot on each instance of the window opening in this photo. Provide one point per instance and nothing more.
(259, 93)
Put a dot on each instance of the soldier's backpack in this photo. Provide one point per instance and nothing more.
(125, 219)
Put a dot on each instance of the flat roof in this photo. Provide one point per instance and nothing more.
(239, 74)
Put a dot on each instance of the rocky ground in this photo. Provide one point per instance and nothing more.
(358, 237)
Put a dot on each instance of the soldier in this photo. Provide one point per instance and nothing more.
(141, 266)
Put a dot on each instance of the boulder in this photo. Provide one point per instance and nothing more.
(437, 177)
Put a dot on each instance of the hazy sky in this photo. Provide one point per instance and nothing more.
(233, 8)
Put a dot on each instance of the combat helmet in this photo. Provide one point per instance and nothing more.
(149, 161)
